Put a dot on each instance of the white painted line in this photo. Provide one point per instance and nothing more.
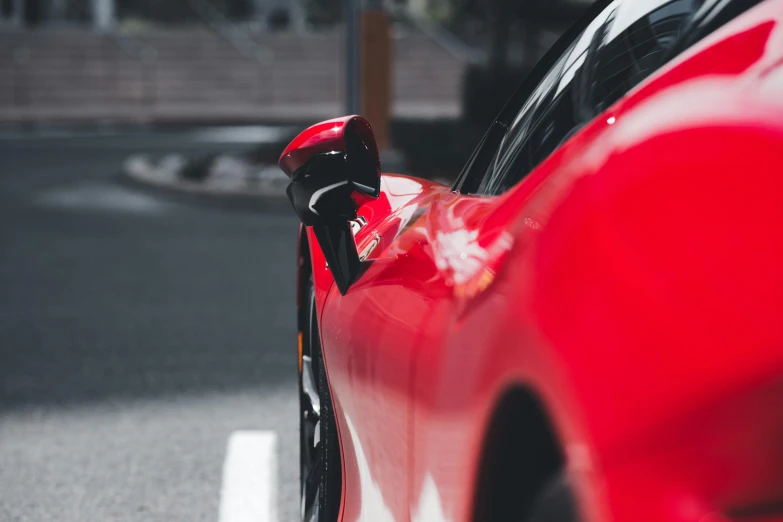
(249, 492)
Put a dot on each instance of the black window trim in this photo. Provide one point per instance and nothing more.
(472, 173)
(713, 14)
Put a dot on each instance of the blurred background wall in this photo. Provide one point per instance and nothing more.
(453, 62)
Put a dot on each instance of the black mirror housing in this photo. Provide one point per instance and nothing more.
(334, 168)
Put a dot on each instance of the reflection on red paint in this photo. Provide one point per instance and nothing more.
(632, 283)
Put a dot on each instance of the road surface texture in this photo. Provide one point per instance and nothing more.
(137, 334)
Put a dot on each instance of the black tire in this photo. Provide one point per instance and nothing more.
(320, 464)
(555, 503)
(331, 461)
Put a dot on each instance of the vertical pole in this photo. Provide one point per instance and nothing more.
(56, 12)
(352, 56)
(298, 15)
(103, 15)
(259, 13)
(375, 70)
(17, 13)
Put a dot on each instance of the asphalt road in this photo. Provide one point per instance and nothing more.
(137, 333)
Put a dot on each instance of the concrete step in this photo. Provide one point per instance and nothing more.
(73, 74)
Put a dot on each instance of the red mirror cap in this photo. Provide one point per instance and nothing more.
(327, 136)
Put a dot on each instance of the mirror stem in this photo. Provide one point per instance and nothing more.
(339, 249)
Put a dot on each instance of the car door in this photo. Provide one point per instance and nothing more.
(423, 253)
(489, 315)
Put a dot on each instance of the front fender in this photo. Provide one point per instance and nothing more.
(397, 191)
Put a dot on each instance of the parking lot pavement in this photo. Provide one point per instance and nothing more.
(145, 345)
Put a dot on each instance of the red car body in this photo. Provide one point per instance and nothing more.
(630, 288)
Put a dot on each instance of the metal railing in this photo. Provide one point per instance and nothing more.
(20, 53)
(147, 55)
(444, 38)
(230, 32)
(235, 36)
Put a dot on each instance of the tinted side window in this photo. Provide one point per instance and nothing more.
(634, 47)
(627, 42)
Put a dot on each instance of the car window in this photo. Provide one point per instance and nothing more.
(625, 43)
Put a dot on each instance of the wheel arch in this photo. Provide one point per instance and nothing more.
(520, 454)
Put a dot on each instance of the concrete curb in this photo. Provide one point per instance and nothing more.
(229, 180)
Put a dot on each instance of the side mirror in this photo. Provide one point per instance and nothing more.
(334, 168)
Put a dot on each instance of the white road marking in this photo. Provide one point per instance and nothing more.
(249, 492)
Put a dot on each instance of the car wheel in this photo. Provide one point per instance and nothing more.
(320, 462)
(555, 503)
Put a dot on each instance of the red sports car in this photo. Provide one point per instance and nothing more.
(588, 326)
